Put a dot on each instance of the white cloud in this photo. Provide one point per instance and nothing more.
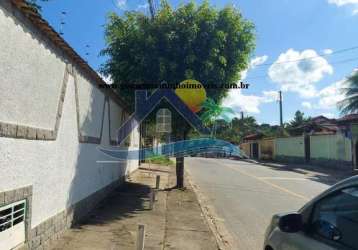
(307, 105)
(253, 64)
(243, 74)
(298, 71)
(247, 103)
(258, 61)
(121, 3)
(143, 6)
(239, 102)
(352, 3)
(331, 95)
(342, 2)
(270, 96)
(328, 115)
(327, 51)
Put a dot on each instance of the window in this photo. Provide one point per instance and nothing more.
(335, 218)
(12, 225)
(12, 215)
(164, 121)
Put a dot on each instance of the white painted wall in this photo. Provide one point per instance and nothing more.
(30, 73)
(290, 146)
(64, 171)
(331, 147)
(115, 119)
(91, 102)
(134, 146)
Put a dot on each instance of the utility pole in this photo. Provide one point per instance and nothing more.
(242, 115)
(151, 8)
(280, 103)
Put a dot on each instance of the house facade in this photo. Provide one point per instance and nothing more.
(53, 116)
(322, 141)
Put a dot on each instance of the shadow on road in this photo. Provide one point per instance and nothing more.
(325, 175)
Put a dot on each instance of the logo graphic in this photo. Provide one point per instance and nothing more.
(192, 93)
(186, 100)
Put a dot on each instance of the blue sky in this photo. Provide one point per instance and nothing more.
(288, 31)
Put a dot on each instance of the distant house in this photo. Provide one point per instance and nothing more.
(321, 141)
(317, 125)
(250, 145)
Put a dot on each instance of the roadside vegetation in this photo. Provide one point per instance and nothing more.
(160, 159)
(236, 129)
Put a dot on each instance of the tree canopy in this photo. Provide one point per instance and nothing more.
(298, 120)
(191, 42)
(350, 102)
(236, 129)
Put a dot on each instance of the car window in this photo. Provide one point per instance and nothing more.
(336, 218)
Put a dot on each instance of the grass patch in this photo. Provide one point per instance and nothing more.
(160, 159)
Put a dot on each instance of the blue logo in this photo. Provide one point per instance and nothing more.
(144, 105)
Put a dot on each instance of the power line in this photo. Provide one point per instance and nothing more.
(333, 63)
(311, 57)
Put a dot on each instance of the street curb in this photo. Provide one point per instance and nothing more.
(222, 236)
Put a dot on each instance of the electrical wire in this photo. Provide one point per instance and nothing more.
(311, 57)
(333, 63)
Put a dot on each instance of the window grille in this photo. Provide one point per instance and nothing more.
(164, 121)
(12, 215)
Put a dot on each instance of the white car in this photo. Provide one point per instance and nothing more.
(329, 221)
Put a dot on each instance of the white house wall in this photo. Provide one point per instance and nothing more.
(290, 149)
(31, 74)
(116, 121)
(53, 118)
(62, 172)
(91, 102)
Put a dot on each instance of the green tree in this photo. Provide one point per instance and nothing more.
(298, 120)
(245, 126)
(191, 42)
(350, 103)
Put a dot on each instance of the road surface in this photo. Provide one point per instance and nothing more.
(246, 195)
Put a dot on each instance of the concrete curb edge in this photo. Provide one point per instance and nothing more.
(222, 236)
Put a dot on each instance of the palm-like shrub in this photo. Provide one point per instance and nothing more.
(350, 103)
(213, 112)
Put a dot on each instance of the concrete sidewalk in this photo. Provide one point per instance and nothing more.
(176, 222)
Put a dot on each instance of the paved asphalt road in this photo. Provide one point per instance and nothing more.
(246, 195)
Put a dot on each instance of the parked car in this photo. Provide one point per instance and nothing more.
(329, 221)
